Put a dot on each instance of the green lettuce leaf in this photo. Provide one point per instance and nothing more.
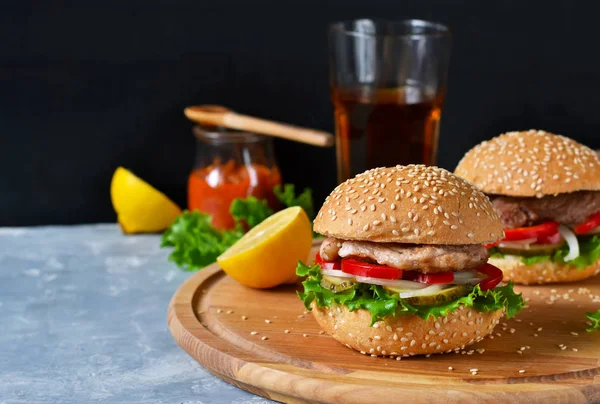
(380, 303)
(250, 211)
(594, 318)
(196, 243)
(287, 196)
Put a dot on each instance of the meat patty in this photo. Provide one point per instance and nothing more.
(330, 249)
(409, 257)
(569, 209)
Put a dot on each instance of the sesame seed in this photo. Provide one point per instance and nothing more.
(244, 318)
(264, 338)
(268, 321)
(287, 331)
(305, 335)
(522, 371)
(253, 332)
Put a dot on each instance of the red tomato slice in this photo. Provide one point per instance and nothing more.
(360, 268)
(440, 277)
(521, 233)
(585, 227)
(328, 264)
(494, 276)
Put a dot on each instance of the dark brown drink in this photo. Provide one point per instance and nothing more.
(385, 127)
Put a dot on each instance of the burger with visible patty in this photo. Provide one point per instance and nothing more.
(403, 270)
(546, 189)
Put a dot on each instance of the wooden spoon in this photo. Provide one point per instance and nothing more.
(217, 115)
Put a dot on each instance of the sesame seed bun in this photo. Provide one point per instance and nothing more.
(541, 272)
(531, 163)
(409, 204)
(405, 335)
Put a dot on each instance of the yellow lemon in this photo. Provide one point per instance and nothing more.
(268, 254)
(140, 207)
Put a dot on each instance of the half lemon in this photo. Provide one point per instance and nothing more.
(140, 208)
(268, 254)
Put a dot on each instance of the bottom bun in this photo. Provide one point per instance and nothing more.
(406, 334)
(541, 272)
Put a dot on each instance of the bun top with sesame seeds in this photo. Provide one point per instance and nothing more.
(413, 204)
(531, 163)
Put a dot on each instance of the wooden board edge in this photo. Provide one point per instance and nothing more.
(269, 382)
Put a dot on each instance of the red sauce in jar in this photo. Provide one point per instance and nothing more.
(211, 189)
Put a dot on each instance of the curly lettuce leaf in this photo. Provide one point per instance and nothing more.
(250, 210)
(196, 243)
(380, 303)
(594, 318)
(287, 196)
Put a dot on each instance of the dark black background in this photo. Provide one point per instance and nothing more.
(87, 86)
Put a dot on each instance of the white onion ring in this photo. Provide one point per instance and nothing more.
(523, 244)
(392, 283)
(336, 272)
(571, 240)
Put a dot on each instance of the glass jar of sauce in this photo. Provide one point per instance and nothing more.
(230, 165)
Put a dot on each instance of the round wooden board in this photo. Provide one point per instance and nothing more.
(238, 334)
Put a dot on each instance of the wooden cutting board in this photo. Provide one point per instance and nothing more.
(264, 341)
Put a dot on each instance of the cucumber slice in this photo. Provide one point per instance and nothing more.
(532, 250)
(445, 295)
(337, 284)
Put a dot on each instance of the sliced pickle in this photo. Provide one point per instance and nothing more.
(443, 296)
(337, 284)
(533, 250)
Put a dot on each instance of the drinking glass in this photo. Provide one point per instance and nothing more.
(388, 81)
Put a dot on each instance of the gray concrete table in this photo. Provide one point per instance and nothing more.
(83, 317)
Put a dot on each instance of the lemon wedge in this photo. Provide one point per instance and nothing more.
(140, 208)
(268, 254)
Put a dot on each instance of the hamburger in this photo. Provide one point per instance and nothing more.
(403, 270)
(545, 188)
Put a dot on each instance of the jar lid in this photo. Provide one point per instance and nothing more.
(216, 135)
